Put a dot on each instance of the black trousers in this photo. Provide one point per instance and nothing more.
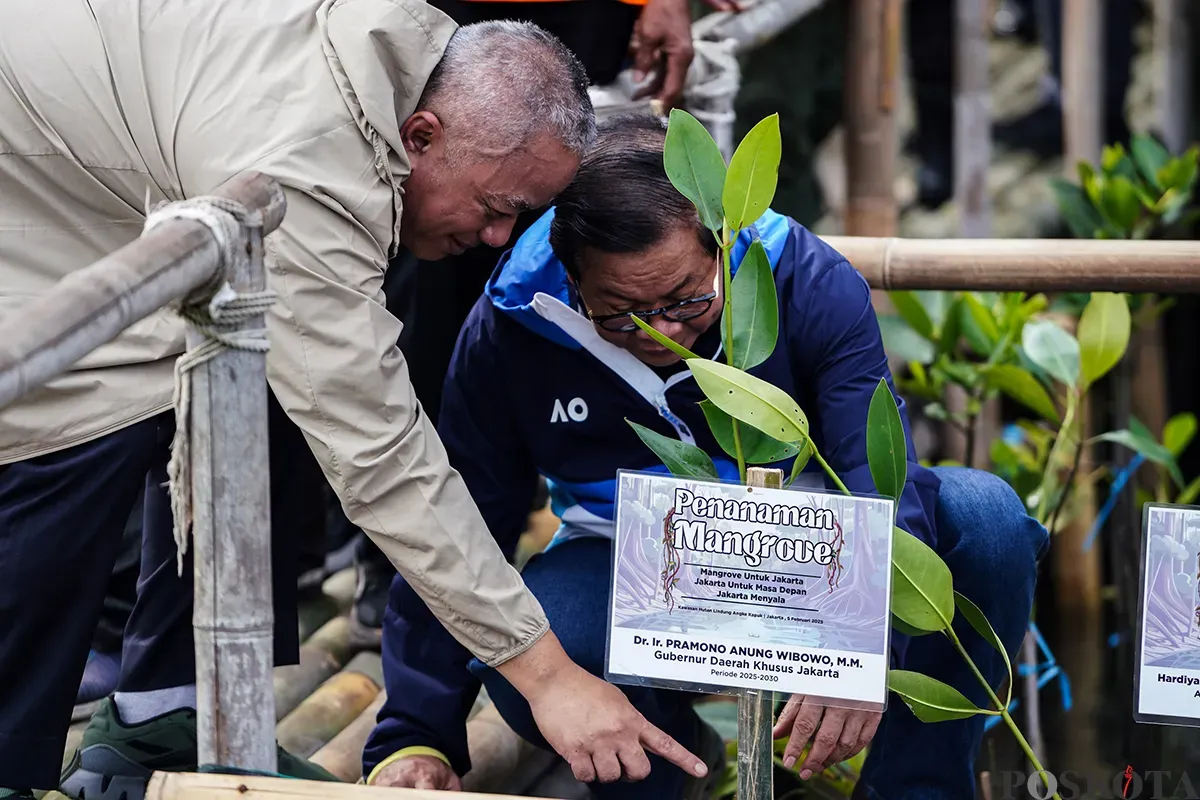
(433, 299)
(62, 517)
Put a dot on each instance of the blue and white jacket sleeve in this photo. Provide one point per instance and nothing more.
(429, 689)
(834, 335)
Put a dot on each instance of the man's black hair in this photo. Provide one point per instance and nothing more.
(621, 200)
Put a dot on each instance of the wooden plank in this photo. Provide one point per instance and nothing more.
(205, 786)
(94, 304)
(756, 708)
(232, 615)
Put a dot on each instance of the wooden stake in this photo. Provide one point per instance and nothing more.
(972, 117)
(756, 708)
(343, 754)
(1173, 80)
(1083, 82)
(872, 59)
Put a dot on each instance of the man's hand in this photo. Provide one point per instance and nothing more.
(588, 721)
(840, 733)
(419, 772)
(662, 44)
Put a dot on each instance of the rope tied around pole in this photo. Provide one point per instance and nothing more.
(215, 311)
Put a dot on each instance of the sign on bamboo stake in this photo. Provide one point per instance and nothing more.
(751, 591)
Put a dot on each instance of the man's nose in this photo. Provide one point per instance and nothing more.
(496, 233)
(672, 330)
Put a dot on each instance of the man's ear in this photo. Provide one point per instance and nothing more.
(422, 134)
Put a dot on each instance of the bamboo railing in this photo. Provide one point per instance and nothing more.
(232, 617)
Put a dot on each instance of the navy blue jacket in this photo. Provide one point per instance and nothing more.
(533, 389)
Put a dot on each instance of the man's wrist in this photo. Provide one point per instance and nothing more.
(407, 752)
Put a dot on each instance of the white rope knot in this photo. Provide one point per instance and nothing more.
(217, 315)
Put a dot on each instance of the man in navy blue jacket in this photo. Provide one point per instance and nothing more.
(549, 367)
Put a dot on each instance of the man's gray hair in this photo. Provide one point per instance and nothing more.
(505, 82)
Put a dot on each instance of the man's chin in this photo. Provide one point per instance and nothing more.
(660, 358)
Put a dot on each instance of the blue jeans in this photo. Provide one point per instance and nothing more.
(992, 548)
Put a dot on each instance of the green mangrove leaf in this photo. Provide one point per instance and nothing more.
(922, 589)
(664, 340)
(1179, 432)
(683, 459)
(1020, 385)
(930, 699)
(913, 312)
(751, 400)
(757, 447)
(1147, 447)
(755, 309)
(900, 626)
(887, 455)
(1078, 212)
(1150, 157)
(951, 329)
(799, 464)
(1121, 203)
(694, 165)
(753, 174)
(1188, 496)
(1053, 350)
(900, 339)
(1103, 334)
(983, 317)
(984, 628)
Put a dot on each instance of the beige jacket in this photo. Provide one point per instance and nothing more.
(107, 106)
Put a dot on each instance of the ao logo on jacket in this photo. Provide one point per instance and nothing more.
(576, 409)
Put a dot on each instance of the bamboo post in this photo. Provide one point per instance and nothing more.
(872, 60)
(972, 117)
(1083, 82)
(321, 657)
(756, 707)
(1173, 87)
(232, 615)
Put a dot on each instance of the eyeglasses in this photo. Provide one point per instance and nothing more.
(682, 311)
(676, 312)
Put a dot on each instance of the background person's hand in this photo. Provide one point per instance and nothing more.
(837, 733)
(662, 44)
(419, 772)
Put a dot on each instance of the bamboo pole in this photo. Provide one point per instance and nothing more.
(322, 656)
(872, 61)
(1034, 265)
(496, 751)
(972, 117)
(332, 707)
(757, 23)
(232, 615)
(93, 305)
(213, 786)
(1173, 85)
(1083, 82)
(342, 756)
(756, 707)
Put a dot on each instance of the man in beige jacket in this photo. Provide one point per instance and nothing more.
(386, 127)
